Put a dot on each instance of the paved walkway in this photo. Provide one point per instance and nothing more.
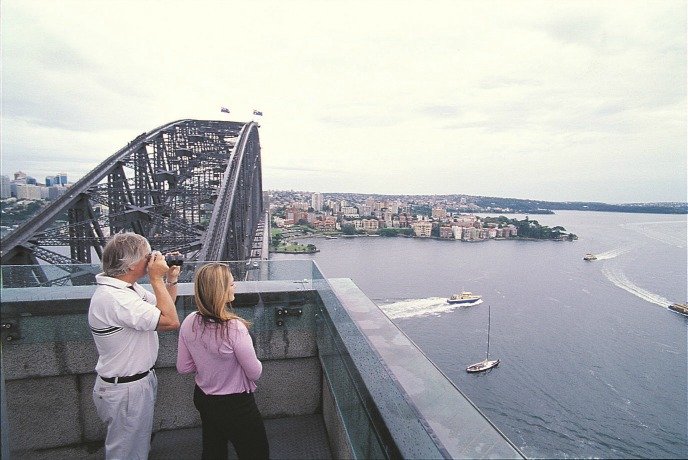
(290, 438)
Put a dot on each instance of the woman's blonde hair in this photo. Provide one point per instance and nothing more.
(211, 292)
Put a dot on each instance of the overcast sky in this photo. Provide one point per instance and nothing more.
(556, 100)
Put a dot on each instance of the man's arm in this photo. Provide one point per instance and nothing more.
(157, 268)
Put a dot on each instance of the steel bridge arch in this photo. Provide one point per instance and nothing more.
(193, 186)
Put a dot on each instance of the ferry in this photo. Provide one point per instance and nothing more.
(679, 307)
(589, 256)
(464, 298)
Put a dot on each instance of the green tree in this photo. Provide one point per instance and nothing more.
(388, 232)
(348, 229)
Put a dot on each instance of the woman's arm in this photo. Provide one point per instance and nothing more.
(185, 363)
(246, 354)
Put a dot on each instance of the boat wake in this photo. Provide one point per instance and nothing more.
(620, 280)
(611, 254)
(414, 308)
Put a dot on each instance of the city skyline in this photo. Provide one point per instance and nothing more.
(61, 179)
(531, 100)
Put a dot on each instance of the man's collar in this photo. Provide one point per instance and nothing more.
(102, 278)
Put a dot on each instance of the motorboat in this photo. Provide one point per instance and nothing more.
(464, 298)
(589, 256)
(679, 307)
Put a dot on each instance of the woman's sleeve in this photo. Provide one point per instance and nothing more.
(185, 363)
(246, 354)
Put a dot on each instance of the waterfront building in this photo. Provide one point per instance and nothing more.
(446, 232)
(370, 225)
(327, 224)
(422, 228)
(458, 232)
(470, 234)
(5, 190)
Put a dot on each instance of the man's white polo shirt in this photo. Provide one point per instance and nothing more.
(123, 322)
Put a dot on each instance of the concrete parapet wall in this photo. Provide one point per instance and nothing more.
(290, 387)
(336, 432)
(49, 388)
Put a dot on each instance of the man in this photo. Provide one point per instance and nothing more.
(124, 318)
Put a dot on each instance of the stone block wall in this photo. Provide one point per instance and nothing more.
(49, 383)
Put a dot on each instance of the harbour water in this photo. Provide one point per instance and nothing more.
(593, 363)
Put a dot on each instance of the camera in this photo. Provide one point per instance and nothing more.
(173, 260)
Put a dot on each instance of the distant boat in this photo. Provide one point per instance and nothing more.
(486, 364)
(330, 237)
(589, 256)
(464, 298)
(679, 307)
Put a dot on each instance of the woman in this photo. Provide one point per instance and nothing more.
(215, 344)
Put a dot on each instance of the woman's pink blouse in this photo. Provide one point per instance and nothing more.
(223, 365)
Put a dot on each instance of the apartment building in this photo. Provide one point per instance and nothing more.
(422, 228)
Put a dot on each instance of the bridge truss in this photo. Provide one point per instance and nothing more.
(191, 186)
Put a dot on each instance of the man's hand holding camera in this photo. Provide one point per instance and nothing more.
(168, 267)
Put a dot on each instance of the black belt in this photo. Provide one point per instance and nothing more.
(130, 378)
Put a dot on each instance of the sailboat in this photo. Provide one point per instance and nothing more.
(486, 363)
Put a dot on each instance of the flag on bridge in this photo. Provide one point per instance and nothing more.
(224, 109)
(256, 112)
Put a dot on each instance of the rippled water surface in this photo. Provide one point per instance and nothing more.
(593, 363)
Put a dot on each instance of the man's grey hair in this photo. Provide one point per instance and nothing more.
(123, 251)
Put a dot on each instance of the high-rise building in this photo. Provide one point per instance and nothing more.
(28, 192)
(5, 191)
(30, 180)
(20, 176)
(55, 191)
(317, 201)
(63, 178)
(49, 181)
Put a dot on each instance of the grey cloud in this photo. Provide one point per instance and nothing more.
(609, 109)
(581, 29)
